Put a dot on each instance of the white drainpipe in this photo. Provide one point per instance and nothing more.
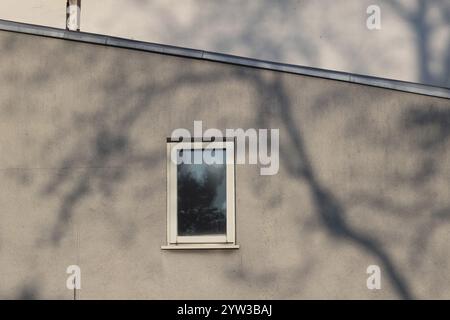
(73, 11)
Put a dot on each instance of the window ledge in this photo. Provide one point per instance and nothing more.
(201, 246)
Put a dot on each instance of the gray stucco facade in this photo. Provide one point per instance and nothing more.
(363, 179)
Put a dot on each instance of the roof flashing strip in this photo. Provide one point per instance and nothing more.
(93, 38)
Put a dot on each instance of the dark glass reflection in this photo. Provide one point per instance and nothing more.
(201, 194)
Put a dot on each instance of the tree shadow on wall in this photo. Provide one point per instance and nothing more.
(430, 125)
(430, 128)
(113, 152)
(424, 27)
(330, 211)
(100, 160)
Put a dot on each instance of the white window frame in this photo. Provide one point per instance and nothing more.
(174, 241)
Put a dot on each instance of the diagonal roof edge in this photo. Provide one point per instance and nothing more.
(93, 38)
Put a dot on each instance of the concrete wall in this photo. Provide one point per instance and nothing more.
(363, 179)
(412, 45)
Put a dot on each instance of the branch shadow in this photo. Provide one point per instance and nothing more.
(330, 211)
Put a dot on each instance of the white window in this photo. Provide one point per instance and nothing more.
(200, 195)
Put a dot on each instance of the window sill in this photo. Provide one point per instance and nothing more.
(200, 246)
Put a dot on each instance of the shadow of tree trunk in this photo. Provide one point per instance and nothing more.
(424, 29)
(331, 213)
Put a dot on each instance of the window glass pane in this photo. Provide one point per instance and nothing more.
(201, 193)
